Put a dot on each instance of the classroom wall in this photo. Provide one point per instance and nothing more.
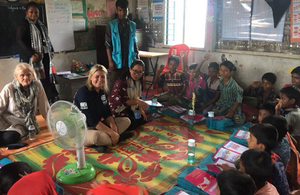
(62, 62)
(250, 66)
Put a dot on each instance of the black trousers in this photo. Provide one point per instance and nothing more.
(9, 137)
(49, 87)
(135, 123)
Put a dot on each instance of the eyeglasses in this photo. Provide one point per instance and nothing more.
(137, 72)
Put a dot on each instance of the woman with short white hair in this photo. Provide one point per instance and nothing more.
(19, 101)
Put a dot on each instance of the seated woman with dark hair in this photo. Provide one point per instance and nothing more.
(19, 101)
(125, 96)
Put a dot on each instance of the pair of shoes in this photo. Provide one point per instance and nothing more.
(99, 149)
(125, 135)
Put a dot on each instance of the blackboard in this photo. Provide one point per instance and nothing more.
(11, 16)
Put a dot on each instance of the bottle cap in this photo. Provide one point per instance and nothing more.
(191, 112)
(191, 142)
(211, 114)
(31, 128)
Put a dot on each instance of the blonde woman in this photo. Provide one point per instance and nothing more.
(91, 99)
(19, 101)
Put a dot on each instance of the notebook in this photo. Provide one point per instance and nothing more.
(198, 118)
(202, 180)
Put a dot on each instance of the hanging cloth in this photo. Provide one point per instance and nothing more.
(279, 7)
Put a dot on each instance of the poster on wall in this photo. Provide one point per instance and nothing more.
(143, 10)
(158, 9)
(95, 8)
(295, 21)
(79, 23)
(77, 7)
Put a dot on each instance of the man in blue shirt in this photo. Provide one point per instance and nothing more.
(120, 42)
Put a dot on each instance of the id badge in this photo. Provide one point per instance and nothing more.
(137, 114)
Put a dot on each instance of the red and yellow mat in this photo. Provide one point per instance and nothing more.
(153, 157)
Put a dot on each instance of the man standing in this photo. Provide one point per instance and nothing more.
(120, 42)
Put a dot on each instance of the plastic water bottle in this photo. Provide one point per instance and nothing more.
(31, 134)
(191, 151)
(154, 101)
(137, 114)
(191, 115)
(210, 120)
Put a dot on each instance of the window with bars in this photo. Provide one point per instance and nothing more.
(185, 22)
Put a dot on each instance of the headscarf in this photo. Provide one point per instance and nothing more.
(134, 89)
(37, 38)
(24, 99)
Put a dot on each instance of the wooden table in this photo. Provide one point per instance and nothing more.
(150, 55)
(69, 85)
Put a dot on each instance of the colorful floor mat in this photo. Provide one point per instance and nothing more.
(43, 137)
(153, 157)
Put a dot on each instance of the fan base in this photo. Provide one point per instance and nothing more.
(70, 174)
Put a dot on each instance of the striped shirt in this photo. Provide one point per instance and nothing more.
(230, 93)
(175, 81)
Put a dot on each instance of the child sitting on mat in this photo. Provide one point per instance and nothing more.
(265, 110)
(287, 106)
(234, 182)
(231, 95)
(263, 90)
(175, 80)
(264, 137)
(208, 96)
(258, 164)
(195, 80)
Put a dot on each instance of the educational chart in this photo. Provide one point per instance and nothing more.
(236, 20)
(158, 9)
(60, 24)
(295, 21)
(262, 28)
(143, 10)
(95, 8)
(77, 7)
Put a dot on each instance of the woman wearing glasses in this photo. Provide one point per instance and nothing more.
(125, 95)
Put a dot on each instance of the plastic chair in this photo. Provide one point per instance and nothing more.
(293, 168)
(176, 50)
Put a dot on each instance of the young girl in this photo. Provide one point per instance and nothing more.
(231, 93)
